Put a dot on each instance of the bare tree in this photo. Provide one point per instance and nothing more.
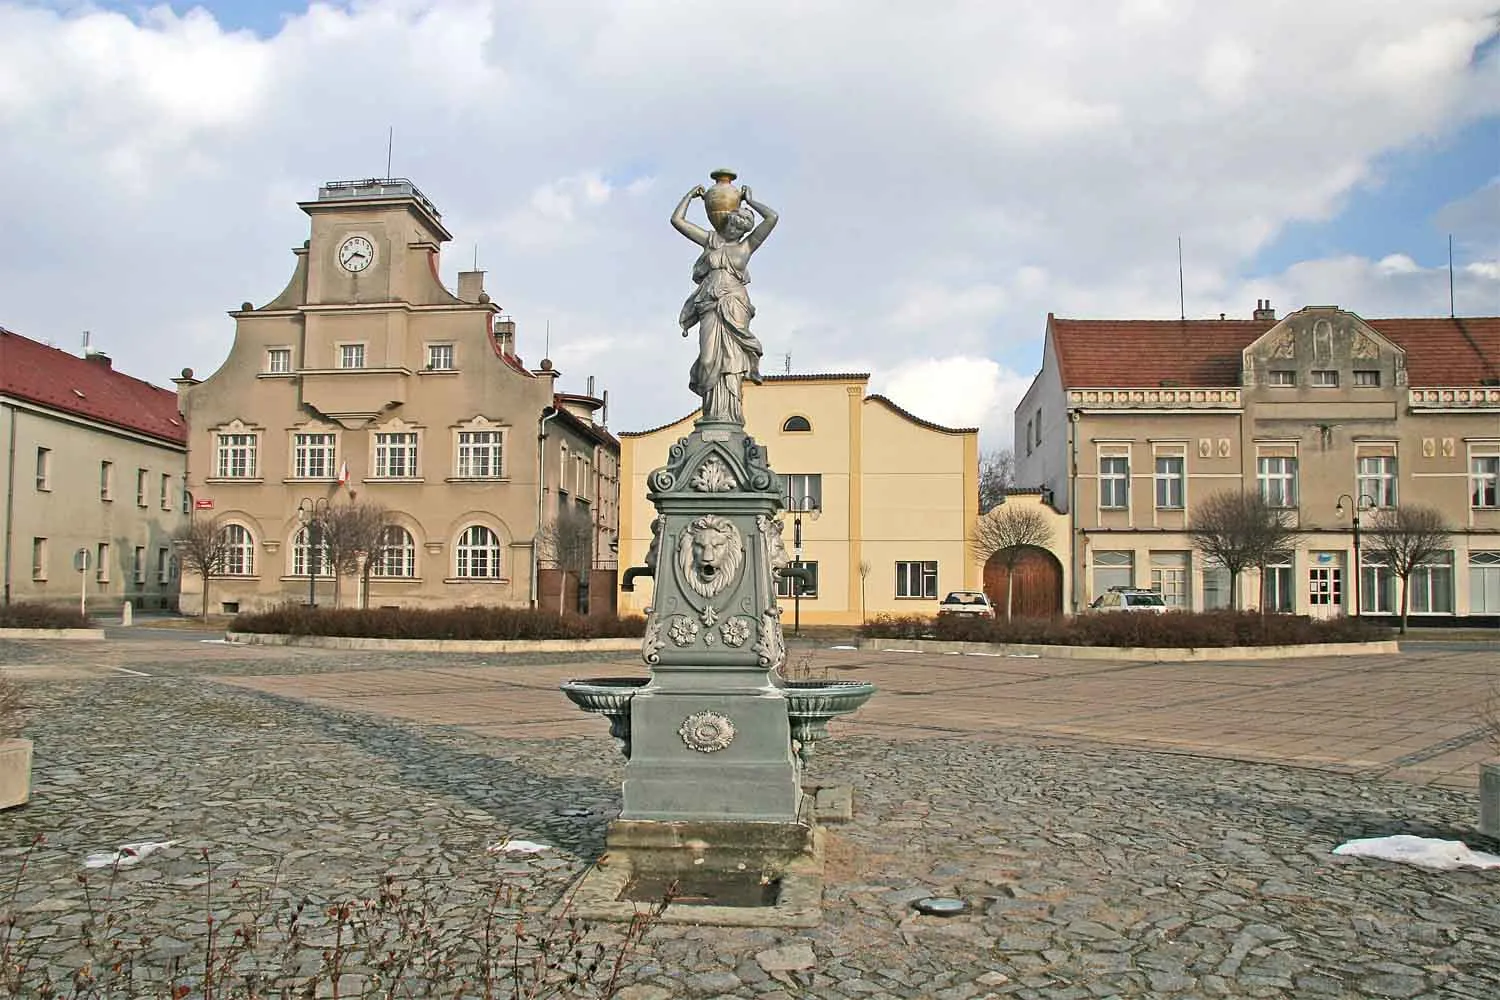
(201, 548)
(997, 473)
(351, 536)
(567, 542)
(1240, 531)
(864, 578)
(1405, 538)
(1006, 532)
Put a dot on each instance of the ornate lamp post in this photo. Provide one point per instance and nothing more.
(310, 515)
(809, 506)
(1363, 503)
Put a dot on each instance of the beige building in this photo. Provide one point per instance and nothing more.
(367, 380)
(94, 463)
(894, 497)
(1130, 423)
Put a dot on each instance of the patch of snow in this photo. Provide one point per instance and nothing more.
(1024, 656)
(843, 647)
(1425, 852)
(127, 855)
(517, 847)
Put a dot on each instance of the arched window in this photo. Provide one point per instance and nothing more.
(397, 555)
(796, 424)
(238, 558)
(300, 564)
(478, 553)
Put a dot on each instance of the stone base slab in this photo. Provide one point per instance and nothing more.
(86, 634)
(436, 645)
(799, 902)
(833, 804)
(15, 773)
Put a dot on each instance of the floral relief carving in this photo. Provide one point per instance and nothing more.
(713, 476)
(706, 732)
(683, 630)
(735, 631)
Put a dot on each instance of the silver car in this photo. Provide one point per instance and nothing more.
(1129, 599)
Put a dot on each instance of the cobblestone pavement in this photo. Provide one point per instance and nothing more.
(1091, 871)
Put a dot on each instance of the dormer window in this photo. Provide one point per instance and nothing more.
(794, 424)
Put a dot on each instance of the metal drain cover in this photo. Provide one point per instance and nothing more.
(940, 906)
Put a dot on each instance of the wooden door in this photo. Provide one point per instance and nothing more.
(1037, 581)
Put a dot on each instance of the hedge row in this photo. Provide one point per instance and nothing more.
(1175, 629)
(475, 622)
(24, 615)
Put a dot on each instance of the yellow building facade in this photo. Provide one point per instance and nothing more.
(885, 499)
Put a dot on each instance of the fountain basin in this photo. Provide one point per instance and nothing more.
(609, 697)
(810, 704)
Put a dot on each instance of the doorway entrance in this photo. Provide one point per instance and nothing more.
(1325, 585)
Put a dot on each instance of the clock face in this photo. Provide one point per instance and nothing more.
(356, 253)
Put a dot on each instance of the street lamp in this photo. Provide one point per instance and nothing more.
(1363, 503)
(310, 515)
(806, 505)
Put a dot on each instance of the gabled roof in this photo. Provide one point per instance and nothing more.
(1207, 352)
(87, 388)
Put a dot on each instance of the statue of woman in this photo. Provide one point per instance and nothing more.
(728, 353)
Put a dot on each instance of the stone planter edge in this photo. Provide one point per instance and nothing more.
(1133, 653)
(438, 645)
(1489, 798)
(87, 634)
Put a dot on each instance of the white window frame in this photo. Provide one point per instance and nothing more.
(1276, 479)
(1171, 577)
(278, 361)
(239, 550)
(1376, 478)
(1112, 560)
(1278, 584)
(236, 455)
(398, 555)
(1167, 480)
(466, 452)
(353, 350)
(138, 563)
(1281, 378)
(44, 470)
(472, 547)
(1484, 481)
(1379, 591)
(1484, 582)
(917, 579)
(799, 487)
(302, 551)
(315, 455)
(395, 454)
(166, 491)
(1114, 482)
(101, 562)
(1367, 378)
(38, 558)
(106, 481)
(435, 353)
(163, 564)
(1323, 378)
(142, 487)
(1422, 585)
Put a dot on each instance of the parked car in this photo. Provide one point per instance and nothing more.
(967, 603)
(1129, 599)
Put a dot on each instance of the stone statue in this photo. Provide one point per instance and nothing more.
(728, 353)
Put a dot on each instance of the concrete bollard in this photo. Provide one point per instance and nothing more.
(127, 614)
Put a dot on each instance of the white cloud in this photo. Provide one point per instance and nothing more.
(946, 174)
(957, 391)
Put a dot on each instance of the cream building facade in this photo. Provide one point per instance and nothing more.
(367, 380)
(94, 463)
(893, 493)
(1130, 423)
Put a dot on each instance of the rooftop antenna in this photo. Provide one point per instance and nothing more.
(786, 363)
(390, 141)
(1181, 296)
(476, 256)
(547, 347)
(85, 343)
(1452, 312)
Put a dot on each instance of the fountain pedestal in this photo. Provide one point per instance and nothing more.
(711, 739)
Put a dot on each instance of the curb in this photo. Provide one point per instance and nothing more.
(616, 645)
(85, 634)
(1132, 653)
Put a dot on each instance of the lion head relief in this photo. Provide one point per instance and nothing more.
(710, 554)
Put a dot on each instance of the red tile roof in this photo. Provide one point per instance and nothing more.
(62, 381)
(1109, 352)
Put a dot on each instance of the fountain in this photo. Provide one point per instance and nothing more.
(716, 739)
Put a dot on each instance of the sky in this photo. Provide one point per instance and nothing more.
(947, 173)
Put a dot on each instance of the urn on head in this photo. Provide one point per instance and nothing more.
(723, 199)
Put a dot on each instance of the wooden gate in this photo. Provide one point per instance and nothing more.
(1038, 583)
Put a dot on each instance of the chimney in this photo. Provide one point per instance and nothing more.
(505, 335)
(98, 358)
(470, 285)
(1263, 310)
(604, 414)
